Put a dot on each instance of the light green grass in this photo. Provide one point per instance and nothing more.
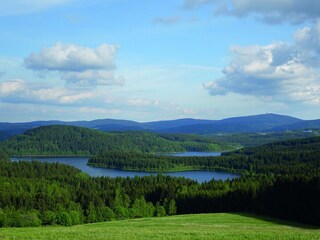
(199, 226)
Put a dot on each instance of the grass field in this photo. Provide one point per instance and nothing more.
(198, 226)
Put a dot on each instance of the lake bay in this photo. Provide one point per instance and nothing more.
(81, 163)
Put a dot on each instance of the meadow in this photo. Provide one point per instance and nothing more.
(227, 226)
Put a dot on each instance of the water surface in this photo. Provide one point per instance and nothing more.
(81, 163)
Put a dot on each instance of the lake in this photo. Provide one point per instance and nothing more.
(81, 163)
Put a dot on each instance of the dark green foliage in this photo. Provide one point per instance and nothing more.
(172, 208)
(48, 218)
(107, 214)
(148, 162)
(280, 180)
(63, 218)
(68, 140)
(287, 157)
(4, 156)
(160, 211)
(257, 139)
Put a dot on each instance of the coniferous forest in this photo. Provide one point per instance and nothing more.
(280, 180)
(59, 140)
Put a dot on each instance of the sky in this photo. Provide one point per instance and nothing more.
(156, 60)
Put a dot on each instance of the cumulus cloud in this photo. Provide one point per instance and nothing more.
(13, 7)
(77, 64)
(271, 11)
(21, 91)
(168, 20)
(287, 72)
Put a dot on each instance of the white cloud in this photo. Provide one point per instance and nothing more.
(270, 11)
(6, 88)
(92, 77)
(77, 64)
(21, 91)
(13, 7)
(285, 72)
(69, 57)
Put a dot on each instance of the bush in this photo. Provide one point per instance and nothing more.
(107, 214)
(30, 219)
(3, 219)
(48, 218)
(76, 217)
(160, 211)
(64, 219)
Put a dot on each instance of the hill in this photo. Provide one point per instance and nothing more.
(247, 124)
(304, 125)
(69, 140)
(256, 123)
(299, 156)
(224, 226)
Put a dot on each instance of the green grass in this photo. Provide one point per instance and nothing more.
(198, 226)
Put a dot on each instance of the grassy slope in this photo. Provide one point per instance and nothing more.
(198, 226)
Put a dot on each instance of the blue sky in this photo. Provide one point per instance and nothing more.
(155, 60)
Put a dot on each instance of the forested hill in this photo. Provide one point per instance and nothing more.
(301, 156)
(69, 140)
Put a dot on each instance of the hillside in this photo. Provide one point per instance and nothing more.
(70, 140)
(219, 226)
(298, 156)
(256, 123)
(304, 125)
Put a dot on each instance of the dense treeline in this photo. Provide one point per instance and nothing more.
(258, 139)
(68, 140)
(34, 193)
(3, 136)
(287, 157)
(161, 163)
(280, 180)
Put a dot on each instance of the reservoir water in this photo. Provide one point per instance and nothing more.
(81, 163)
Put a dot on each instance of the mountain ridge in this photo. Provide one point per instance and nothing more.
(255, 123)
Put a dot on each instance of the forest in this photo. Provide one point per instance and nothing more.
(280, 180)
(285, 157)
(58, 140)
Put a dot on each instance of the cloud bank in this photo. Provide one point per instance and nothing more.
(270, 11)
(22, 91)
(281, 71)
(76, 64)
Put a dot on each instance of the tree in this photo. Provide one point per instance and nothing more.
(160, 211)
(91, 214)
(172, 208)
(64, 219)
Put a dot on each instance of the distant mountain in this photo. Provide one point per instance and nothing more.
(158, 125)
(304, 125)
(256, 123)
(3, 136)
(249, 124)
